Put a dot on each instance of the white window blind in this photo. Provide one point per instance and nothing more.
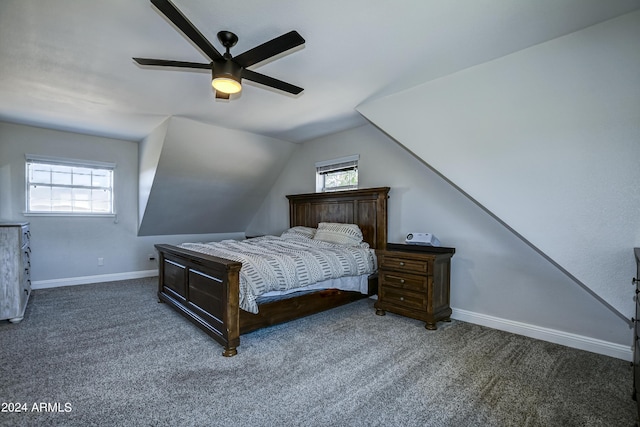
(337, 174)
(65, 186)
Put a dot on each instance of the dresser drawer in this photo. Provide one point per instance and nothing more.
(403, 298)
(26, 258)
(26, 235)
(403, 280)
(404, 264)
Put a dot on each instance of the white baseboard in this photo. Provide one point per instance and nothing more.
(581, 342)
(85, 280)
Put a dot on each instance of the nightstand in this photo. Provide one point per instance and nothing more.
(414, 281)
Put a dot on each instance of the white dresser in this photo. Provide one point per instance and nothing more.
(15, 266)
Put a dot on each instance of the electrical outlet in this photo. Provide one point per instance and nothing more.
(100, 262)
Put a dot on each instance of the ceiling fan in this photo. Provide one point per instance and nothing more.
(227, 71)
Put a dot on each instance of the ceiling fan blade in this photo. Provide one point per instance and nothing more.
(269, 49)
(221, 95)
(167, 63)
(174, 15)
(270, 81)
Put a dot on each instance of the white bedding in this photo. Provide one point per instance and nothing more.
(346, 283)
(287, 263)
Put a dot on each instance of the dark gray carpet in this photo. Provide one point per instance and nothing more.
(117, 357)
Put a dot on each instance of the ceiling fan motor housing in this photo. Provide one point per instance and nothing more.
(226, 68)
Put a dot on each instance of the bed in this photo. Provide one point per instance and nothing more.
(206, 288)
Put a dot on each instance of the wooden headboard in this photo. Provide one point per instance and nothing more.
(366, 207)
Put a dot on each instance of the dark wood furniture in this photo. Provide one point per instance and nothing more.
(414, 281)
(205, 289)
(636, 333)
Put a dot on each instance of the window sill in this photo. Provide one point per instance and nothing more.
(69, 214)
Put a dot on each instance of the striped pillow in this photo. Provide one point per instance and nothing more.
(299, 231)
(343, 234)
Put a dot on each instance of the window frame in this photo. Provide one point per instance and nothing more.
(31, 159)
(341, 164)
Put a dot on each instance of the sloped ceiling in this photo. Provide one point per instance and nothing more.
(66, 64)
(546, 139)
(199, 179)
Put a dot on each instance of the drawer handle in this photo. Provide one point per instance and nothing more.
(401, 263)
(401, 298)
(399, 279)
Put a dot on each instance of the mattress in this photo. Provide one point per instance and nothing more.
(347, 283)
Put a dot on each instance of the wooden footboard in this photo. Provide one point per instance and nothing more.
(205, 289)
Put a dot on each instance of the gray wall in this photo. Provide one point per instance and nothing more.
(547, 139)
(494, 273)
(67, 248)
(205, 179)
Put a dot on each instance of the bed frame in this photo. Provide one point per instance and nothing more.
(206, 289)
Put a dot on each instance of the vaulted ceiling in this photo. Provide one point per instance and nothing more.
(66, 64)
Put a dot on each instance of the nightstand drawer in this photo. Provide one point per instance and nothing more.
(404, 264)
(403, 281)
(402, 298)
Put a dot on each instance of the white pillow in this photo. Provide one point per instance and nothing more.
(299, 231)
(343, 234)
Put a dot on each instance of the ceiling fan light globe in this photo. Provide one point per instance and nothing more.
(226, 85)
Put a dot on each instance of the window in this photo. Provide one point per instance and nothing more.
(337, 174)
(61, 186)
